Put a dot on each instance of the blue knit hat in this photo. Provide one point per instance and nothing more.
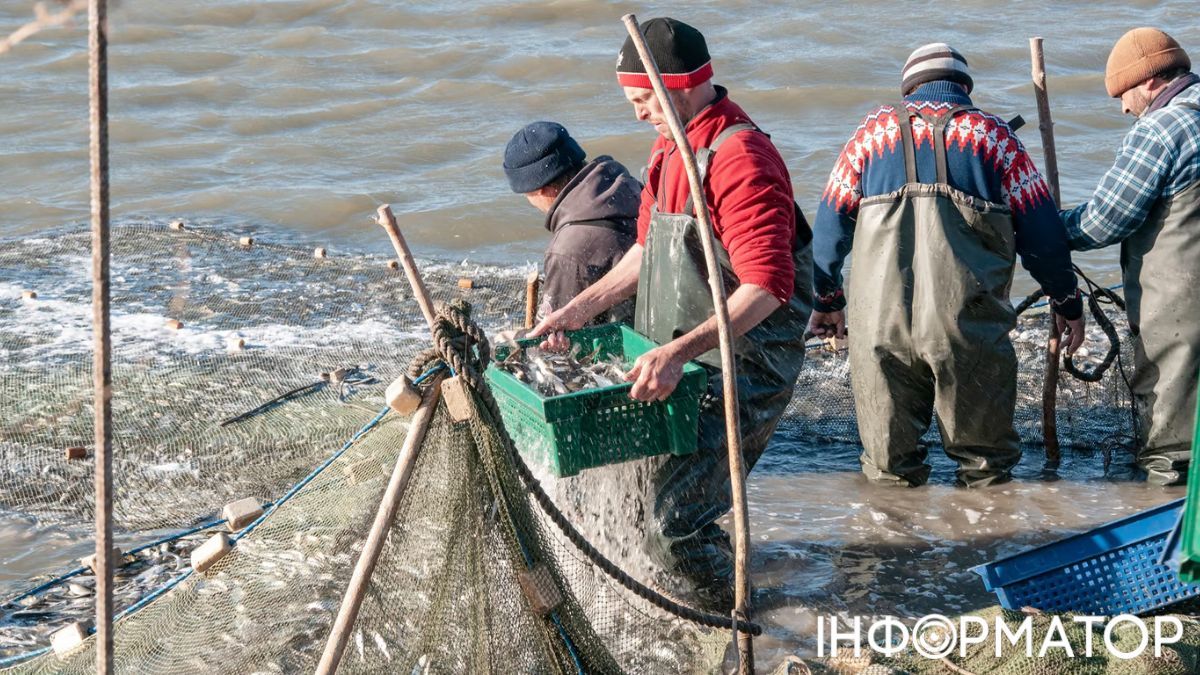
(538, 154)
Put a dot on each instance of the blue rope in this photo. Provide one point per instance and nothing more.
(324, 465)
(269, 509)
(38, 590)
(158, 592)
(310, 477)
(562, 632)
(14, 660)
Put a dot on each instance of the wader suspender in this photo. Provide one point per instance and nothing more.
(649, 163)
(939, 140)
(704, 159)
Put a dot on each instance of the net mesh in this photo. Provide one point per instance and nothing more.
(445, 596)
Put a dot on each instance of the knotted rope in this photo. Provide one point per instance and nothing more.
(464, 347)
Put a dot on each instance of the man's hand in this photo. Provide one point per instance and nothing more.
(656, 373)
(553, 326)
(1071, 331)
(828, 324)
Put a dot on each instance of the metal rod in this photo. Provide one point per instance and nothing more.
(102, 348)
(1054, 338)
(343, 625)
(737, 470)
(388, 221)
(532, 286)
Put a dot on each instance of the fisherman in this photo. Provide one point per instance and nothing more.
(766, 266)
(591, 210)
(936, 202)
(1149, 202)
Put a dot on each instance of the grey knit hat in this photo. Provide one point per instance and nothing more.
(935, 61)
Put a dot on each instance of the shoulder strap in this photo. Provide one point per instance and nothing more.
(704, 157)
(646, 169)
(904, 119)
(939, 141)
(1190, 104)
(938, 126)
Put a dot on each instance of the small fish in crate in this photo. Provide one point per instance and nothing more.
(558, 373)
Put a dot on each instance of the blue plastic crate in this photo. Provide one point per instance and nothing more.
(1113, 569)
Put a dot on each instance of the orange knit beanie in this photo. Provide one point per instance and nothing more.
(1139, 55)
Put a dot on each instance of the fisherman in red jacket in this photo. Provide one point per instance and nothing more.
(766, 264)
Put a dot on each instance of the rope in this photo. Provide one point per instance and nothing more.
(66, 576)
(451, 322)
(1030, 300)
(1098, 295)
(17, 658)
(182, 576)
(282, 398)
(341, 377)
(562, 631)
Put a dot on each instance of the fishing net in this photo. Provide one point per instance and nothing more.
(230, 403)
(192, 434)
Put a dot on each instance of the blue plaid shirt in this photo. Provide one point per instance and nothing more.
(1159, 157)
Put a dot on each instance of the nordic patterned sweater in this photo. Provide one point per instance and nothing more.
(984, 158)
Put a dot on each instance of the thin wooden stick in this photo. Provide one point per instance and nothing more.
(532, 285)
(1054, 338)
(42, 20)
(1045, 123)
(343, 625)
(339, 635)
(737, 470)
(388, 221)
(102, 347)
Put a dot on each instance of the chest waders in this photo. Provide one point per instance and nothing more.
(1161, 267)
(929, 316)
(673, 297)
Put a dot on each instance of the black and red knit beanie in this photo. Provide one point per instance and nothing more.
(677, 48)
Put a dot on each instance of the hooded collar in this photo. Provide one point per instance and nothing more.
(940, 91)
(601, 190)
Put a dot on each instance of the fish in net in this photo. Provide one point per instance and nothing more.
(446, 596)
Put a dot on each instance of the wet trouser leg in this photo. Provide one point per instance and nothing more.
(1164, 390)
(693, 491)
(893, 401)
(975, 399)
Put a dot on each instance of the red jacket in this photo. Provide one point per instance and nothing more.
(749, 194)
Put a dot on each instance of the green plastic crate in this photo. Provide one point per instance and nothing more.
(1189, 555)
(596, 427)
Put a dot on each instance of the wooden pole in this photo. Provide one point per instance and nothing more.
(343, 625)
(1054, 338)
(388, 221)
(737, 470)
(101, 347)
(1045, 123)
(339, 635)
(532, 286)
